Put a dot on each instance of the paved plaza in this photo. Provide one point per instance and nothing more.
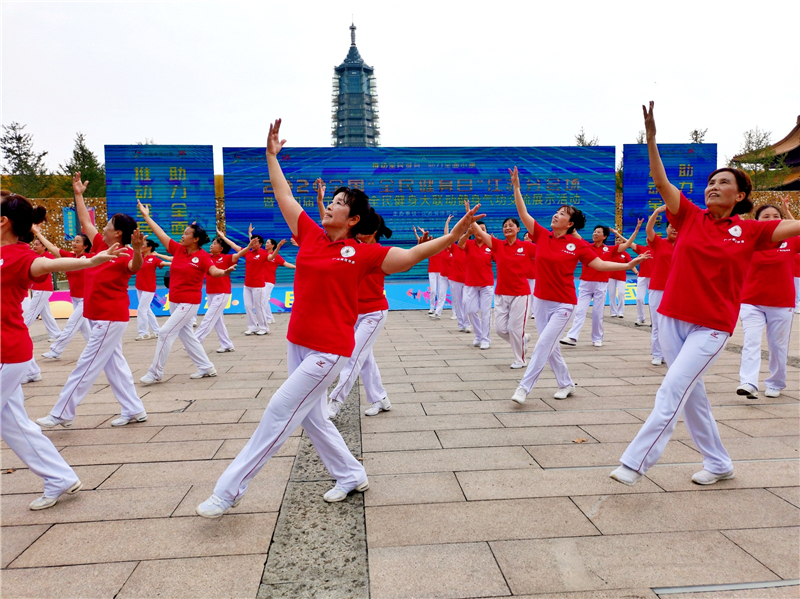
(471, 495)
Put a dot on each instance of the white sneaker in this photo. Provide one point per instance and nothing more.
(747, 389)
(657, 361)
(517, 365)
(533, 317)
(44, 502)
(640, 323)
(52, 339)
(461, 329)
(50, 421)
(270, 320)
(214, 507)
(35, 378)
(123, 420)
(797, 310)
(770, 392)
(520, 395)
(378, 407)
(568, 341)
(143, 337)
(430, 312)
(597, 343)
(194, 325)
(453, 317)
(248, 332)
(704, 477)
(262, 332)
(476, 343)
(340, 493)
(626, 476)
(468, 329)
(620, 316)
(201, 374)
(149, 379)
(51, 355)
(564, 392)
(225, 350)
(437, 316)
(485, 345)
(334, 407)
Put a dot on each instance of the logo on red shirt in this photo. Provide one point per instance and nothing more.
(570, 247)
(348, 251)
(195, 260)
(520, 250)
(735, 230)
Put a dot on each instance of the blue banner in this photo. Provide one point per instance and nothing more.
(419, 186)
(687, 166)
(176, 182)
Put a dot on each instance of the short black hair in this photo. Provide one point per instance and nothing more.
(125, 223)
(225, 247)
(87, 244)
(200, 234)
(151, 244)
(260, 239)
(22, 214)
(606, 230)
(576, 217)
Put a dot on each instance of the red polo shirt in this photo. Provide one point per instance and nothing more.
(254, 263)
(75, 277)
(769, 280)
(219, 284)
(371, 296)
(479, 265)
(513, 263)
(15, 280)
(662, 262)
(604, 252)
(646, 267)
(270, 267)
(458, 267)
(47, 284)
(556, 259)
(105, 287)
(146, 277)
(619, 258)
(186, 274)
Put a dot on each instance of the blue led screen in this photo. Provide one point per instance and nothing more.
(177, 182)
(419, 186)
(687, 166)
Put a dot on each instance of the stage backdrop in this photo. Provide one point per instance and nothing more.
(687, 166)
(177, 182)
(418, 186)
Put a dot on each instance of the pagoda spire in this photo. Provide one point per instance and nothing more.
(352, 34)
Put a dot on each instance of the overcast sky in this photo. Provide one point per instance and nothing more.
(449, 73)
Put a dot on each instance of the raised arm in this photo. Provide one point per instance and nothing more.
(787, 211)
(43, 266)
(167, 259)
(527, 219)
(462, 241)
(651, 223)
(162, 236)
(221, 235)
(56, 251)
(277, 249)
(607, 266)
(320, 197)
(627, 243)
(785, 230)
(218, 272)
(245, 249)
(290, 209)
(669, 193)
(137, 241)
(78, 187)
(447, 224)
(482, 235)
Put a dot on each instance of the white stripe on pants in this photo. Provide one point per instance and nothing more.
(778, 322)
(642, 285)
(301, 400)
(215, 317)
(103, 352)
(616, 296)
(441, 293)
(268, 287)
(25, 438)
(254, 305)
(368, 327)
(655, 320)
(145, 318)
(457, 296)
(40, 306)
(551, 320)
(510, 318)
(690, 350)
(532, 285)
(589, 291)
(76, 322)
(478, 306)
(179, 324)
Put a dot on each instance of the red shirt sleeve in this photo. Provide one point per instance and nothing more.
(762, 233)
(686, 208)
(585, 253)
(174, 247)
(538, 231)
(306, 226)
(98, 245)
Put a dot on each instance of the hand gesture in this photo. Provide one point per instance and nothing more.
(115, 251)
(253, 243)
(220, 233)
(466, 221)
(426, 236)
(787, 212)
(274, 141)
(229, 270)
(449, 218)
(639, 222)
(78, 186)
(320, 189)
(250, 230)
(649, 121)
(137, 240)
(294, 242)
(514, 177)
(640, 258)
(36, 230)
(143, 209)
(660, 209)
(280, 244)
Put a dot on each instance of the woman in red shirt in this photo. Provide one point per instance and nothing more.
(478, 286)
(146, 291)
(768, 302)
(330, 267)
(458, 274)
(373, 308)
(19, 267)
(557, 254)
(642, 284)
(711, 259)
(274, 260)
(531, 272)
(189, 266)
(617, 281)
(40, 300)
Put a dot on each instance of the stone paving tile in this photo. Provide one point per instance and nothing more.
(570, 482)
(777, 548)
(196, 417)
(15, 540)
(791, 410)
(773, 427)
(722, 413)
(388, 424)
(25, 481)
(790, 494)
(400, 441)
(94, 581)
(140, 452)
(624, 433)
(403, 489)
(130, 434)
(602, 454)
(782, 592)
(229, 405)
(625, 561)
(495, 437)
(198, 432)
(452, 571)
(754, 475)
(483, 407)
(762, 448)
(593, 417)
(643, 593)
(232, 447)
(443, 460)
(582, 399)
(471, 521)
(686, 511)
(157, 538)
(191, 578)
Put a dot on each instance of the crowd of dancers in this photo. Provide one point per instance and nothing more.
(736, 268)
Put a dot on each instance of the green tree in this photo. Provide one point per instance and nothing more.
(84, 161)
(767, 170)
(22, 163)
(582, 140)
(698, 136)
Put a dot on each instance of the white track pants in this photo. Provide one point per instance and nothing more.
(25, 438)
(457, 296)
(40, 306)
(76, 322)
(368, 327)
(145, 318)
(433, 289)
(478, 306)
(103, 352)
(551, 320)
(589, 291)
(441, 294)
(642, 285)
(215, 318)
(797, 293)
(778, 322)
(179, 324)
(301, 400)
(254, 305)
(655, 320)
(532, 285)
(616, 297)
(690, 351)
(510, 320)
(267, 297)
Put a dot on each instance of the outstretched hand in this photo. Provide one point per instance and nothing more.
(640, 258)
(649, 121)
(143, 209)
(115, 251)
(467, 220)
(78, 186)
(137, 240)
(253, 243)
(787, 212)
(514, 177)
(660, 209)
(274, 141)
(320, 189)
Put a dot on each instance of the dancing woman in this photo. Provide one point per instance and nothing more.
(557, 254)
(274, 260)
(478, 286)
(711, 259)
(146, 290)
(330, 267)
(40, 300)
